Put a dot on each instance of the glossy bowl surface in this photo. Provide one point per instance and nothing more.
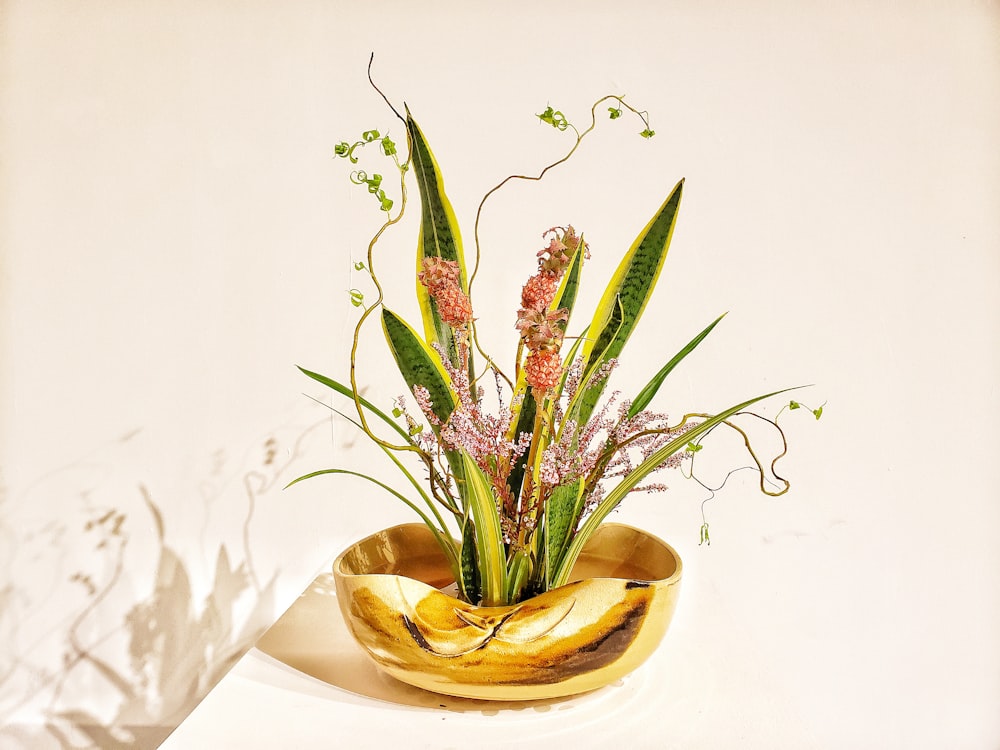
(578, 637)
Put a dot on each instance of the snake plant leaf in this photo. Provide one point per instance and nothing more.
(587, 396)
(518, 571)
(615, 496)
(439, 235)
(418, 363)
(470, 580)
(565, 297)
(641, 401)
(560, 521)
(525, 423)
(478, 494)
(633, 282)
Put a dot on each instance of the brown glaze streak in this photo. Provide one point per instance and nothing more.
(543, 660)
(593, 654)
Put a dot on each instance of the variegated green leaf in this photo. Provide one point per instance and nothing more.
(615, 496)
(632, 285)
(490, 555)
(518, 570)
(470, 579)
(587, 396)
(560, 521)
(569, 287)
(418, 363)
(439, 234)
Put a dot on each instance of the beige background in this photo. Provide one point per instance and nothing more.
(175, 236)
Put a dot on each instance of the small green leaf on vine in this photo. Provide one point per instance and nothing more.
(818, 412)
(359, 265)
(397, 412)
(794, 405)
(554, 117)
(370, 135)
(342, 149)
(357, 298)
(386, 202)
(388, 147)
(615, 112)
(693, 447)
(647, 133)
(704, 536)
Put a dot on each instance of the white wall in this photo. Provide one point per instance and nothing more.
(175, 236)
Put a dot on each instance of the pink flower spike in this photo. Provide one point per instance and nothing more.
(542, 369)
(442, 280)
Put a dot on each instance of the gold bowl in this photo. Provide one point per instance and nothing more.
(578, 637)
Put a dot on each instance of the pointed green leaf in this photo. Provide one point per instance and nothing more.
(565, 297)
(613, 498)
(470, 580)
(478, 494)
(586, 398)
(346, 391)
(633, 282)
(525, 423)
(444, 541)
(518, 570)
(646, 394)
(439, 235)
(560, 520)
(418, 363)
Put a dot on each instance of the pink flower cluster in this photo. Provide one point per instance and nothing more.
(542, 328)
(610, 445)
(470, 428)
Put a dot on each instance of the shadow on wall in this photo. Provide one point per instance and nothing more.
(112, 635)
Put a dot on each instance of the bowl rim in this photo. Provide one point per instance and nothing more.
(606, 527)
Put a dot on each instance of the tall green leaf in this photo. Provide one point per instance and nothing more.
(560, 520)
(613, 498)
(469, 580)
(418, 364)
(349, 392)
(641, 401)
(490, 553)
(439, 235)
(631, 287)
(589, 392)
(445, 542)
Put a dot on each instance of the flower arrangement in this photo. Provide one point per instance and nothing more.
(526, 483)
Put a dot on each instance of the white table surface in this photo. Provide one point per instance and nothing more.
(728, 674)
(337, 695)
(307, 684)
